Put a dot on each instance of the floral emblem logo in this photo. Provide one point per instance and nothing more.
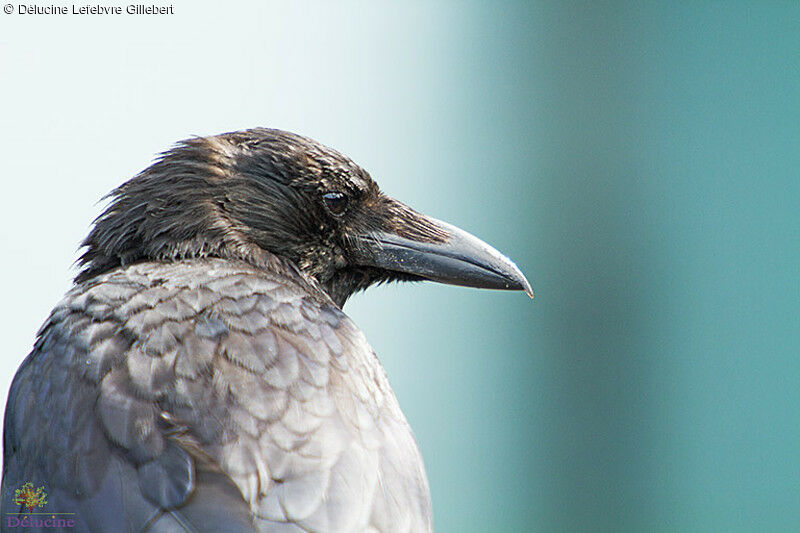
(30, 497)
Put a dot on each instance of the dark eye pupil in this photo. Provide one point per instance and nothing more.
(336, 202)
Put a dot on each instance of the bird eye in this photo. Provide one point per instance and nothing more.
(336, 202)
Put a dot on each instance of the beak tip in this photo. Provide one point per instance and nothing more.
(529, 291)
(520, 280)
(526, 286)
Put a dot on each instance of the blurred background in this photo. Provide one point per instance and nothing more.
(640, 161)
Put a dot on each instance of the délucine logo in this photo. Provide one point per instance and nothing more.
(30, 499)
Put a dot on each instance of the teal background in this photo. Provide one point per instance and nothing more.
(640, 161)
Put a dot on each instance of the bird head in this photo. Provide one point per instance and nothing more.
(266, 195)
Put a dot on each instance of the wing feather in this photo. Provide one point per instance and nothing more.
(207, 395)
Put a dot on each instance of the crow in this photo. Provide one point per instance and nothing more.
(201, 375)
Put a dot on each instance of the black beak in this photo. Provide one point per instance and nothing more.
(455, 257)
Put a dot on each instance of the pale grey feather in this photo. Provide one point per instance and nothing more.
(169, 387)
